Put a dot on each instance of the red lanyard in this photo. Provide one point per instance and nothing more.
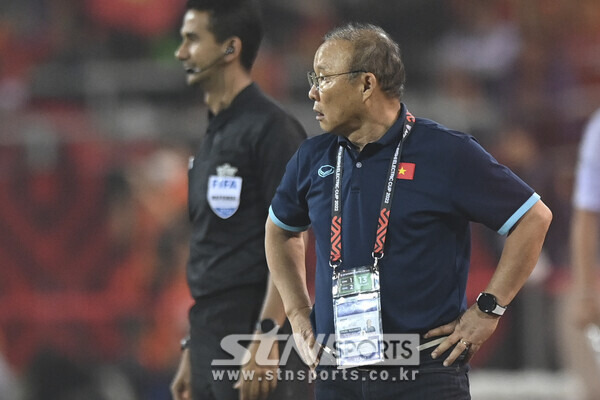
(335, 255)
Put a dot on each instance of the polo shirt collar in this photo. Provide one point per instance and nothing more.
(392, 136)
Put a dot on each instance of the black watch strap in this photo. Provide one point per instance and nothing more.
(267, 326)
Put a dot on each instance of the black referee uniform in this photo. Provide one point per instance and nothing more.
(232, 180)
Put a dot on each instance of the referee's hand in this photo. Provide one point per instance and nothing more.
(181, 388)
(258, 378)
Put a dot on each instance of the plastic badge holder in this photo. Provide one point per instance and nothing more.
(357, 314)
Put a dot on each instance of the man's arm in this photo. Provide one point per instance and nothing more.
(584, 253)
(519, 257)
(285, 252)
(520, 254)
(181, 386)
(263, 382)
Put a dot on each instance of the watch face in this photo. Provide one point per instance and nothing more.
(486, 302)
(267, 325)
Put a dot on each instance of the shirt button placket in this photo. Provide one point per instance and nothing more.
(356, 177)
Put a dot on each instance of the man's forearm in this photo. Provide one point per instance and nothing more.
(286, 260)
(520, 254)
(272, 305)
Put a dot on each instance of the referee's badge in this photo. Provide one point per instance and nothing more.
(224, 191)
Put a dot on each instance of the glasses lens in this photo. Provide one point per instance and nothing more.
(312, 79)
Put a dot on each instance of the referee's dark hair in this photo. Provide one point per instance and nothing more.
(376, 52)
(241, 18)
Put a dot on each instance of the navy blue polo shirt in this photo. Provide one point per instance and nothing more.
(426, 261)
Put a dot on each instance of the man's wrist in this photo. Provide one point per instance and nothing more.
(267, 326)
(300, 311)
(488, 304)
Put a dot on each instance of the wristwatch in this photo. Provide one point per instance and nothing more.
(267, 326)
(488, 304)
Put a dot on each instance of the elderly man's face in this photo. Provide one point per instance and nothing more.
(338, 101)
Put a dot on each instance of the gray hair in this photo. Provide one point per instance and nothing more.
(376, 52)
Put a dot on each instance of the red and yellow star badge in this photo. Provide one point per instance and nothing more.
(406, 171)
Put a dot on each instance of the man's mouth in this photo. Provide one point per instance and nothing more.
(319, 116)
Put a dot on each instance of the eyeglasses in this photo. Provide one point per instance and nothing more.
(315, 80)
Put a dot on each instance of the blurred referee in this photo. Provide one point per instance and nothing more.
(232, 179)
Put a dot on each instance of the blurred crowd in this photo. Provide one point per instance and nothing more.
(96, 126)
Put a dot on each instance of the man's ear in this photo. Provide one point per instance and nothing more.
(234, 46)
(369, 83)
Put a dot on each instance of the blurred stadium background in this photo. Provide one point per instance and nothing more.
(96, 125)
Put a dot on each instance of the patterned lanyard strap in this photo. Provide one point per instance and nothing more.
(335, 255)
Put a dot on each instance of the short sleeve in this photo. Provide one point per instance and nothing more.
(487, 192)
(587, 185)
(289, 209)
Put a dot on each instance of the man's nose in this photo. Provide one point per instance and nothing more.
(313, 93)
(180, 53)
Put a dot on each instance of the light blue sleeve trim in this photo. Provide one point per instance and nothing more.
(518, 214)
(280, 224)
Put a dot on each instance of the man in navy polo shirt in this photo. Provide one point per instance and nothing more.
(390, 198)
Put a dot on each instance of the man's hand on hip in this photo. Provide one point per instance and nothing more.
(466, 333)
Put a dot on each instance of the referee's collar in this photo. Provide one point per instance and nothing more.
(243, 97)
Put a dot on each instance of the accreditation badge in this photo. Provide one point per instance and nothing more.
(357, 317)
(224, 191)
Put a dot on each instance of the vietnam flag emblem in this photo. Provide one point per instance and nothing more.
(406, 170)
